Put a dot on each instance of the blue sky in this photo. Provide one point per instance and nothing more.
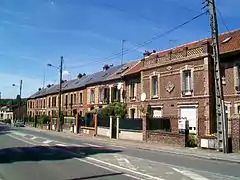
(87, 32)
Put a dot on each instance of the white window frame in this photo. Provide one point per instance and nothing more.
(132, 91)
(237, 77)
(100, 95)
(152, 88)
(190, 91)
(92, 96)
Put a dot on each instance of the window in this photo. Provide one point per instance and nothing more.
(81, 98)
(238, 109)
(106, 95)
(49, 102)
(54, 101)
(132, 91)
(154, 86)
(44, 103)
(71, 100)
(132, 113)
(66, 101)
(92, 96)
(237, 77)
(115, 94)
(101, 95)
(187, 82)
(74, 99)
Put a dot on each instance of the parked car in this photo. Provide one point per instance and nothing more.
(18, 123)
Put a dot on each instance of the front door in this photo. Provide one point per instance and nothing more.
(190, 113)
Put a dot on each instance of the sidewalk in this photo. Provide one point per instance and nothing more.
(194, 152)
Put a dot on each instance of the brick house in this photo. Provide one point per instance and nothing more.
(179, 82)
(132, 85)
(105, 90)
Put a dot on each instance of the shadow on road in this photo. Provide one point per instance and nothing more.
(97, 176)
(51, 153)
(4, 128)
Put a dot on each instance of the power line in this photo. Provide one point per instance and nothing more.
(222, 19)
(113, 56)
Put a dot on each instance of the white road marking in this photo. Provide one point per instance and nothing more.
(102, 162)
(109, 169)
(125, 162)
(126, 169)
(190, 174)
(63, 145)
(34, 138)
(47, 141)
(117, 146)
(93, 145)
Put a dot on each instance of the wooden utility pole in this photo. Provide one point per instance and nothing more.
(60, 97)
(222, 125)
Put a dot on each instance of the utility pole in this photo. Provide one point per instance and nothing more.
(19, 99)
(122, 50)
(60, 97)
(222, 125)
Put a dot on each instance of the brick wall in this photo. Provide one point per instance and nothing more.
(167, 138)
(235, 130)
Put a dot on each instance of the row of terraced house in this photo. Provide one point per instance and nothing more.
(177, 82)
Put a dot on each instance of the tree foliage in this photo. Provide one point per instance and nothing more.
(113, 109)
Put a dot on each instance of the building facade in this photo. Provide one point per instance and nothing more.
(176, 83)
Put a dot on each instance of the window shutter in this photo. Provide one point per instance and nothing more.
(129, 91)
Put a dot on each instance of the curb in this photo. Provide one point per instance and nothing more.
(207, 157)
(193, 155)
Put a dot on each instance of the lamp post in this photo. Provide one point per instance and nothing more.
(60, 68)
(19, 97)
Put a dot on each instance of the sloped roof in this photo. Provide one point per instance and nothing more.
(231, 44)
(78, 82)
(103, 75)
(136, 68)
(121, 70)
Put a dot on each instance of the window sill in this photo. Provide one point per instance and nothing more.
(154, 97)
(132, 98)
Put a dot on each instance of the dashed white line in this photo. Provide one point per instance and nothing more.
(190, 174)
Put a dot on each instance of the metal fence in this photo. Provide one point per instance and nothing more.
(130, 123)
(104, 122)
(161, 124)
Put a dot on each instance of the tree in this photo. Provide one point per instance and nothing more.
(113, 109)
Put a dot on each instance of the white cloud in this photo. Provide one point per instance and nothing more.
(30, 85)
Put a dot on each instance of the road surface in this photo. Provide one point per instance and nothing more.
(27, 154)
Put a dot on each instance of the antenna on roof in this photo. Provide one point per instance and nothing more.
(123, 41)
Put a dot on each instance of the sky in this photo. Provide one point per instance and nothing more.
(89, 34)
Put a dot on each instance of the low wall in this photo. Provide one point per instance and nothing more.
(130, 135)
(87, 130)
(235, 131)
(103, 131)
(166, 138)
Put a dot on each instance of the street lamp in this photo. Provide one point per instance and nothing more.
(19, 97)
(60, 68)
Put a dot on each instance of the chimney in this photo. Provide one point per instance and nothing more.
(146, 53)
(106, 67)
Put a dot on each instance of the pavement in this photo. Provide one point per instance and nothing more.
(27, 153)
(195, 152)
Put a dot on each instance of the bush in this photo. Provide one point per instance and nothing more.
(43, 119)
(7, 121)
(192, 142)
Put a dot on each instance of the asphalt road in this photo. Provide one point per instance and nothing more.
(77, 158)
